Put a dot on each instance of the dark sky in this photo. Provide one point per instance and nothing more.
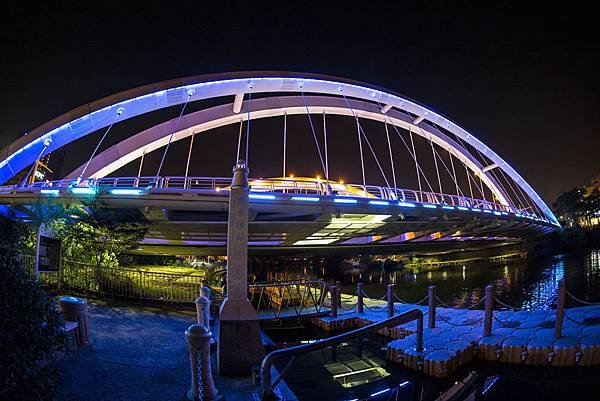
(526, 85)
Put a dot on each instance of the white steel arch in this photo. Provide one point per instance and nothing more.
(97, 115)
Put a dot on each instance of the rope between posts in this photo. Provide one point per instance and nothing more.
(422, 300)
(574, 321)
(444, 303)
(509, 326)
(373, 309)
(374, 299)
(458, 324)
(506, 305)
(347, 309)
(579, 299)
(400, 299)
(476, 304)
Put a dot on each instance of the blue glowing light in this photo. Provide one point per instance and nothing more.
(380, 392)
(406, 204)
(428, 206)
(487, 211)
(448, 207)
(53, 192)
(497, 213)
(305, 198)
(379, 203)
(504, 213)
(344, 200)
(261, 196)
(475, 209)
(126, 191)
(83, 190)
(462, 208)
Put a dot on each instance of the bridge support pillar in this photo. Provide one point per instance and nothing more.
(240, 346)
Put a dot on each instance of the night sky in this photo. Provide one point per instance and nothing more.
(526, 85)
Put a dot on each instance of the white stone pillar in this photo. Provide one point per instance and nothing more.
(240, 346)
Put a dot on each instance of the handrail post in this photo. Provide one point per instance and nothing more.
(390, 300)
(334, 296)
(359, 294)
(431, 298)
(338, 284)
(489, 310)
(560, 309)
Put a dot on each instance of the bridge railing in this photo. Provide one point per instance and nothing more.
(287, 185)
(290, 298)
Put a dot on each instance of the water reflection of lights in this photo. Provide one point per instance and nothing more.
(444, 275)
(464, 276)
(429, 275)
(543, 293)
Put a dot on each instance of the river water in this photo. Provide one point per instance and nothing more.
(530, 283)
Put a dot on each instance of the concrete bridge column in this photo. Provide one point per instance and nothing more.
(240, 346)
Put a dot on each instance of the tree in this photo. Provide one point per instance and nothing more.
(31, 327)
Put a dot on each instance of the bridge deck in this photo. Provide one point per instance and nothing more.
(518, 337)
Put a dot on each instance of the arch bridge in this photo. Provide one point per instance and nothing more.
(464, 191)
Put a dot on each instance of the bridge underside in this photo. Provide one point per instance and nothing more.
(195, 223)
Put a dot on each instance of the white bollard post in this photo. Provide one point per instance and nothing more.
(202, 387)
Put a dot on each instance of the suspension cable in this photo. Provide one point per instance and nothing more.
(189, 93)
(454, 174)
(237, 156)
(326, 156)
(437, 171)
(47, 143)
(387, 135)
(120, 111)
(469, 180)
(284, 140)
(187, 165)
(141, 163)
(251, 86)
(362, 162)
(417, 166)
(413, 154)
(312, 128)
(361, 131)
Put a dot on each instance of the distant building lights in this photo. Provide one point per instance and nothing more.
(261, 196)
(379, 203)
(306, 198)
(126, 191)
(344, 200)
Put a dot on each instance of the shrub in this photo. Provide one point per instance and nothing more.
(31, 328)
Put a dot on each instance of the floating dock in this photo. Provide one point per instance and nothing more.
(517, 337)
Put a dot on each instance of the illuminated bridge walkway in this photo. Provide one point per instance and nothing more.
(437, 185)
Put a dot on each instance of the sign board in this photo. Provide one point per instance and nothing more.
(47, 255)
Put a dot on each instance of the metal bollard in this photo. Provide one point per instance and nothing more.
(75, 310)
(359, 294)
(203, 311)
(560, 309)
(338, 284)
(334, 296)
(203, 387)
(390, 299)
(431, 299)
(489, 310)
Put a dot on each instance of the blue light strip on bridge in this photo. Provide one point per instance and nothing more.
(82, 190)
(305, 198)
(406, 204)
(429, 206)
(126, 191)
(379, 203)
(53, 192)
(344, 200)
(261, 196)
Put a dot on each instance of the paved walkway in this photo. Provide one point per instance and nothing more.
(136, 353)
